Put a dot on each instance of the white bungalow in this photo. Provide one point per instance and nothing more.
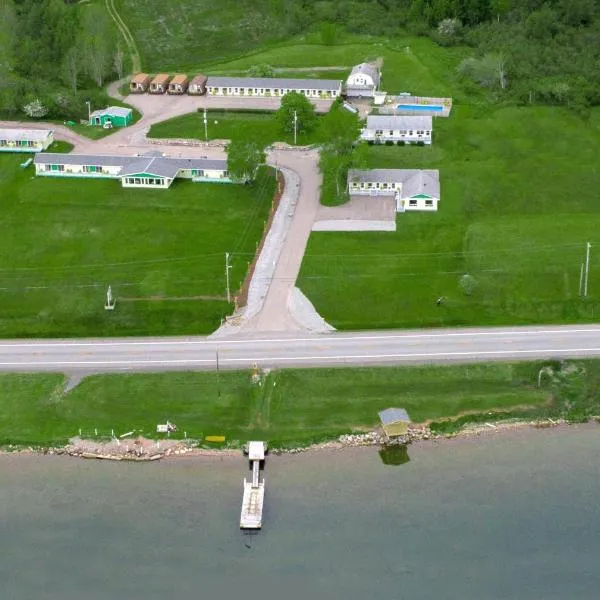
(414, 189)
(408, 129)
(363, 81)
(25, 140)
(272, 86)
(152, 170)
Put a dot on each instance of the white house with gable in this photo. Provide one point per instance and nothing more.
(363, 81)
(13, 139)
(413, 189)
(152, 170)
(398, 128)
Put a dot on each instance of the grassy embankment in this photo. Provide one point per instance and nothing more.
(292, 407)
(63, 241)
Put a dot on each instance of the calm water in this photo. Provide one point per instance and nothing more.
(514, 517)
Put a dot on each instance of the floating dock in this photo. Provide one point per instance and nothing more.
(254, 491)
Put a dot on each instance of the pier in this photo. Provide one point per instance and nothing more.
(254, 491)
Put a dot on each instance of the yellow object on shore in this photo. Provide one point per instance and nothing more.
(215, 438)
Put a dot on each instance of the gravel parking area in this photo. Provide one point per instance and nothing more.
(360, 213)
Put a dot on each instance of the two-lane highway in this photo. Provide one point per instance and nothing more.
(337, 349)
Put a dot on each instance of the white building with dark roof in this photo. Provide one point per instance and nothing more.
(25, 140)
(413, 189)
(410, 129)
(272, 86)
(363, 81)
(152, 170)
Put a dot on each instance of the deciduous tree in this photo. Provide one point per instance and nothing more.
(243, 160)
(300, 106)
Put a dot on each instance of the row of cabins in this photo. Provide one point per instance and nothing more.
(413, 189)
(150, 170)
(234, 86)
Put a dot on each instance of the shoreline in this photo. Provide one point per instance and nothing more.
(144, 450)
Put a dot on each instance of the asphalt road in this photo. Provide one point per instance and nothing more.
(338, 349)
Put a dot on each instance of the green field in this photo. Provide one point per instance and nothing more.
(518, 204)
(260, 127)
(290, 407)
(63, 241)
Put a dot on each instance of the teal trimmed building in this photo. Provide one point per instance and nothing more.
(117, 116)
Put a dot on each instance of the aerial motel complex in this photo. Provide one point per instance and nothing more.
(272, 86)
(25, 140)
(151, 170)
(413, 189)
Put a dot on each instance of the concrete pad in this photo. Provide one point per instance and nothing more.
(354, 225)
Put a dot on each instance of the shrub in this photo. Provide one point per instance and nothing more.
(370, 142)
(420, 143)
(401, 143)
(389, 143)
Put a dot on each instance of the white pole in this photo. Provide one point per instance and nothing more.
(205, 126)
(295, 126)
(89, 110)
(227, 267)
(581, 280)
(587, 269)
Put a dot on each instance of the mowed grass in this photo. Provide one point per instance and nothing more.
(63, 241)
(259, 127)
(518, 203)
(290, 407)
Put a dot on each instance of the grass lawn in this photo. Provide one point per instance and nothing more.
(518, 203)
(230, 125)
(63, 241)
(291, 407)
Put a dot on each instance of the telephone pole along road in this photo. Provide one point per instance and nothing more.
(280, 351)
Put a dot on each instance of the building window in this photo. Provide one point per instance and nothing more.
(391, 132)
(379, 132)
(137, 181)
(57, 167)
(225, 173)
(412, 202)
(428, 202)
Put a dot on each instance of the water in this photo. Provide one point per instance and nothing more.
(514, 517)
(420, 107)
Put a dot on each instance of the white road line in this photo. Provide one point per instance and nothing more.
(410, 356)
(339, 338)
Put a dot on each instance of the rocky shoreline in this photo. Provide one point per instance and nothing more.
(145, 450)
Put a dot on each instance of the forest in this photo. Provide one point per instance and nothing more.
(55, 54)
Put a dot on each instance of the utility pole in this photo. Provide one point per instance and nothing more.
(205, 126)
(295, 126)
(227, 268)
(218, 378)
(89, 105)
(587, 269)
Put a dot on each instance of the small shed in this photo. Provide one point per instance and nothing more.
(179, 84)
(139, 83)
(117, 116)
(198, 85)
(159, 84)
(394, 421)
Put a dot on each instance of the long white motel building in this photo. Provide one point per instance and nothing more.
(151, 170)
(413, 189)
(272, 86)
(409, 129)
(25, 140)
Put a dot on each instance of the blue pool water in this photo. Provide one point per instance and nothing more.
(432, 107)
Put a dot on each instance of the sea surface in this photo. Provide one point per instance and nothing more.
(509, 516)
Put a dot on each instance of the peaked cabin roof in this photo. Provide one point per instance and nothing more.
(179, 79)
(367, 69)
(112, 111)
(275, 83)
(152, 164)
(161, 79)
(140, 78)
(399, 122)
(393, 415)
(199, 79)
(17, 134)
(414, 181)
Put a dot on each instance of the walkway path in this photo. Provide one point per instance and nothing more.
(136, 63)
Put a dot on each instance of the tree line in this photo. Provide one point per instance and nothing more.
(54, 56)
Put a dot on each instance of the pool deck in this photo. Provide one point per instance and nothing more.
(391, 107)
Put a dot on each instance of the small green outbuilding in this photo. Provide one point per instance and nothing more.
(112, 116)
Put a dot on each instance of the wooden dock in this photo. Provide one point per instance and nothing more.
(254, 491)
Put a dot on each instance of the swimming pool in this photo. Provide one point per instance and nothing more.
(429, 107)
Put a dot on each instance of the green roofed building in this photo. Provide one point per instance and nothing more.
(112, 116)
(394, 421)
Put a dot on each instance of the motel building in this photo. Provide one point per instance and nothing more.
(152, 170)
(25, 140)
(408, 129)
(270, 86)
(413, 189)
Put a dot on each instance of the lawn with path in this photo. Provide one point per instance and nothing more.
(518, 204)
(63, 241)
(290, 407)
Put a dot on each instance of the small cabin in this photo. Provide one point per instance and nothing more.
(112, 116)
(179, 84)
(159, 84)
(139, 83)
(197, 86)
